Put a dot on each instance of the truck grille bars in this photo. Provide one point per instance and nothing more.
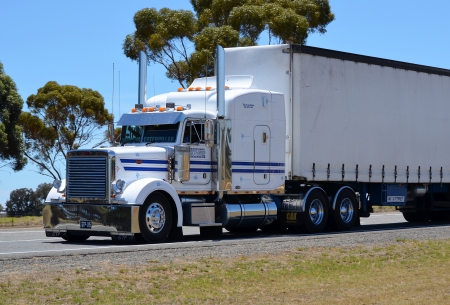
(89, 176)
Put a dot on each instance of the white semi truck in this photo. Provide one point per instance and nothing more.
(286, 136)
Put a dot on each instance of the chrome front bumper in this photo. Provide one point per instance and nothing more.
(116, 221)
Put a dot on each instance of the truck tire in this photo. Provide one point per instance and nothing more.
(242, 229)
(416, 216)
(316, 212)
(155, 219)
(345, 212)
(75, 238)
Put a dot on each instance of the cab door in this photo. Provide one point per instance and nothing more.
(261, 152)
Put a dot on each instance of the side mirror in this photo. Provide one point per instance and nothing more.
(209, 133)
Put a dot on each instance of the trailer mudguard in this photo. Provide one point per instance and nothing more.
(139, 190)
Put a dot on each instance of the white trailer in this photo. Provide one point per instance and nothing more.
(291, 137)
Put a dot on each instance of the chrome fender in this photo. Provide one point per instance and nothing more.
(137, 191)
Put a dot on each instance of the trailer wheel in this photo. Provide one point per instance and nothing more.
(344, 215)
(416, 217)
(241, 229)
(316, 212)
(75, 238)
(155, 218)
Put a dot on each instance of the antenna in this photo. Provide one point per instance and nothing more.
(119, 93)
(112, 102)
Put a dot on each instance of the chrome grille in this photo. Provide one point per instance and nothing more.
(87, 178)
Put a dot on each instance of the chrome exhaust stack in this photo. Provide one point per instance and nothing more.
(142, 79)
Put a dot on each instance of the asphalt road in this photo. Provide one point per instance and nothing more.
(32, 242)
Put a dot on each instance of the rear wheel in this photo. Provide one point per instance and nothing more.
(316, 212)
(155, 219)
(242, 229)
(416, 216)
(344, 215)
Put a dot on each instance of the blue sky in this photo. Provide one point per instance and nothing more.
(77, 42)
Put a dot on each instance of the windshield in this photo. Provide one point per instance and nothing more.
(149, 134)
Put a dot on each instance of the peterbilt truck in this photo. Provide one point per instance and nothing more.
(284, 137)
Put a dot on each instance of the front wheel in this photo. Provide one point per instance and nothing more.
(344, 215)
(316, 212)
(155, 218)
(75, 238)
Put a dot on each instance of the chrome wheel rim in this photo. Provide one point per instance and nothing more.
(155, 218)
(316, 212)
(346, 210)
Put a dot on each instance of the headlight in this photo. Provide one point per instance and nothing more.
(118, 186)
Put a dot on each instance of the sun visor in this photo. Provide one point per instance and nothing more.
(156, 118)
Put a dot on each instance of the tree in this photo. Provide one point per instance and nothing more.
(168, 35)
(1, 207)
(11, 142)
(61, 118)
(27, 202)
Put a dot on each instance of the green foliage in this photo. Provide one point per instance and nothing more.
(11, 142)
(168, 35)
(61, 118)
(26, 202)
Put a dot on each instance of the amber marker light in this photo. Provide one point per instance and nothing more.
(179, 108)
(133, 109)
(161, 109)
(191, 88)
(151, 109)
(208, 88)
(198, 88)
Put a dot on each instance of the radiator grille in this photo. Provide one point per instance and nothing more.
(87, 178)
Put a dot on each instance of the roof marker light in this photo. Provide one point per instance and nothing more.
(191, 88)
(133, 110)
(181, 89)
(198, 88)
(208, 88)
(179, 108)
(151, 109)
(161, 109)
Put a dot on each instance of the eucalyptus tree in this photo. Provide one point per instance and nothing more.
(183, 42)
(61, 118)
(11, 142)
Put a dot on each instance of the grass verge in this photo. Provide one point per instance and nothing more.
(21, 222)
(408, 272)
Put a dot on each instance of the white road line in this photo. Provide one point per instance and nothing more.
(96, 248)
(15, 241)
(12, 232)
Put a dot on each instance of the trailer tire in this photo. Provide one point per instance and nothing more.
(345, 212)
(316, 212)
(416, 217)
(155, 219)
(75, 238)
(242, 229)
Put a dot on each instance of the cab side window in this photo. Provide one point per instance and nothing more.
(194, 132)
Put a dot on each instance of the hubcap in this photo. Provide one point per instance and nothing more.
(346, 210)
(155, 218)
(316, 212)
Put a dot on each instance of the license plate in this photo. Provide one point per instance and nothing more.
(85, 224)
